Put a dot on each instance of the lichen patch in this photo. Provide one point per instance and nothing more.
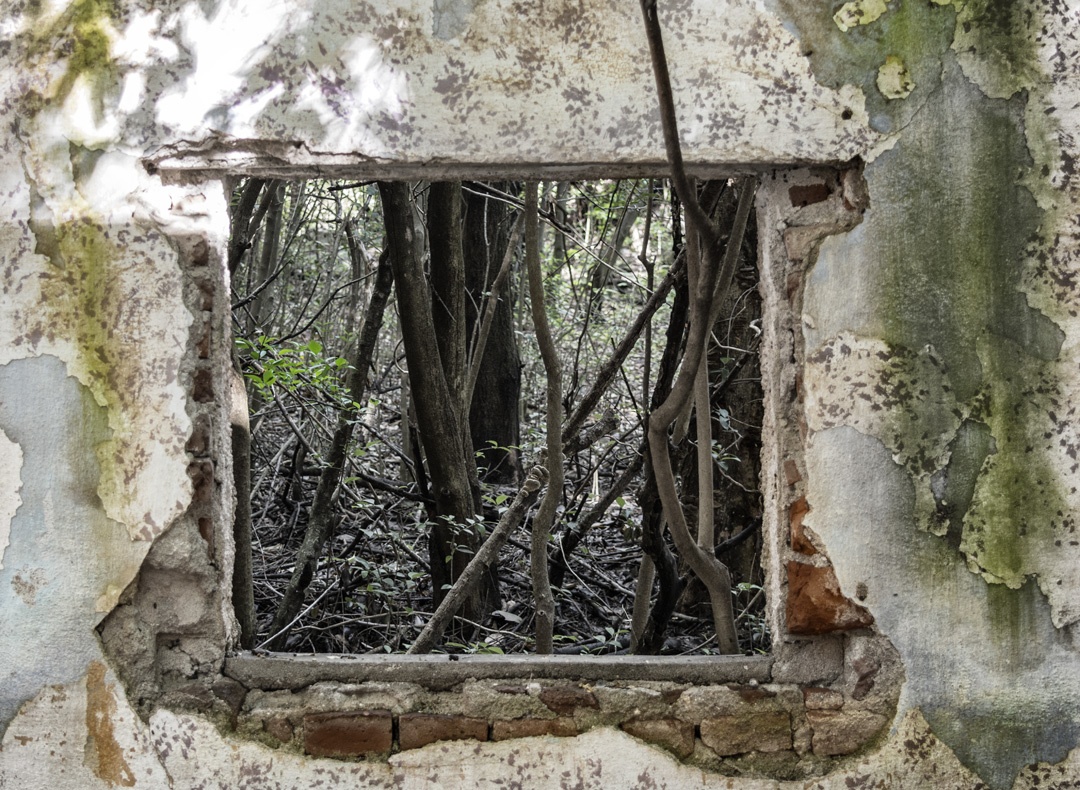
(859, 12)
(894, 80)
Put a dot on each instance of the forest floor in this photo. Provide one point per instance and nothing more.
(372, 594)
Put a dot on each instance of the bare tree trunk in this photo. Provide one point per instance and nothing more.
(243, 592)
(268, 256)
(545, 517)
(494, 414)
(321, 521)
(451, 543)
(475, 571)
(665, 567)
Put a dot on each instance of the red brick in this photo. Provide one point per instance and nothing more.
(565, 699)
(675, 735)
(202, 481)
(530, 727)
(420, 729)
(815, 604)
(752, 731)
(348, 734)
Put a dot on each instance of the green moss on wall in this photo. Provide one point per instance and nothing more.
(81, 36)
(996, 44)
(914, 33)
(950, 225)
(82, 296)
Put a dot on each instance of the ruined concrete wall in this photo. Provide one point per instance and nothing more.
(919, 279)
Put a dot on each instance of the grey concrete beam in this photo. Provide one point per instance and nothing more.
(437, 672)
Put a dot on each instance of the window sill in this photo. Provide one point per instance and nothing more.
(296, 671)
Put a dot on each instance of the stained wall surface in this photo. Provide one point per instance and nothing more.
(929, 340)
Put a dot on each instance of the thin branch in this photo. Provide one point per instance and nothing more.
(478, 565)
(545, 517)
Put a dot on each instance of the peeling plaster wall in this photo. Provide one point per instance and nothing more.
(924, 380)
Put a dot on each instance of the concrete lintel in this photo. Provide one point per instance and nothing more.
(194, 167)
(438, 672)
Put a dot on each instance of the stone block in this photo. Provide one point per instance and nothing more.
(815, 604)
(765, 731)
(348, 734)
(230, 692)
(822, 699)
(565, 699)
(530, 727)
(675, 735)
(839, 732)
(279, 727)
(420, 729)
(817, 661)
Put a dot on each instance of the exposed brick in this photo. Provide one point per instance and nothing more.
(675, 735)
(348, 734)
(202, 482)
(230, 692)
(200, 253)
(202, 386)
(839, 732)
(753, 731)
(808, 194)
(791, 472)
(816, 698)
(812, 662)
(752, 693)
(202, 345)
(799, 540)
(420, 729)
(671, 696)
(531, 726)
(199, 442)
(206, 293)
(815, 604)
(565, 699)
(279, 727)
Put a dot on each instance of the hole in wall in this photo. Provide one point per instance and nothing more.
(305, 261)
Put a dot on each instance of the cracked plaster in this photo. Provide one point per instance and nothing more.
(283, 86)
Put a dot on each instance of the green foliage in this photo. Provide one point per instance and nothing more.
(291, 366)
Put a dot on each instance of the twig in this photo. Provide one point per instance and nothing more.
(479, 564)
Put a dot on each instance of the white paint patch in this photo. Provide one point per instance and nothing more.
(899, 396)
(894, 80)
(49, 746)
(859, 12)
(11, 459)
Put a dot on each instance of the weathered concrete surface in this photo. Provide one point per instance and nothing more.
(295, 672)
(369, 84)
(942, 384)
(945, 500)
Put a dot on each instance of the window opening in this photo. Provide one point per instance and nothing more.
(356, 560)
